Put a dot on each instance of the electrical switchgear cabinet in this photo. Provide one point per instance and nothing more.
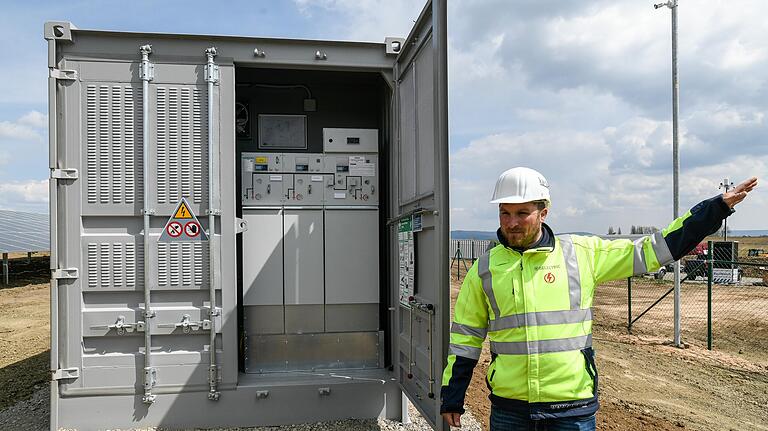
(181, 334)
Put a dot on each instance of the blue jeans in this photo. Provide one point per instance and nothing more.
(503, 420)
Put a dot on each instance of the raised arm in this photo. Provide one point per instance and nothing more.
(622, 258)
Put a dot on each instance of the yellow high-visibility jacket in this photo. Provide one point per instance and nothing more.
(536, 307)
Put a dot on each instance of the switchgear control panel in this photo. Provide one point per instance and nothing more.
(271, 179)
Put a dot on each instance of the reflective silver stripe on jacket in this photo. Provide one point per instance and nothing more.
(541, 346)
(465, 351)
(572, 266)
(639, 266)
(660, 247)
(484, 271)
(541, 318)
(458, 328)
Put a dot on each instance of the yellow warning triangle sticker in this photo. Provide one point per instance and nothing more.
(183, 212)
(183, 226)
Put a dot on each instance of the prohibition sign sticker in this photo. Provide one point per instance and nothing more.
(549, 278)
(192, 229)
(174, 229)
(183, 225)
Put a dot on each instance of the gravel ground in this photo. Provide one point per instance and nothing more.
(32, 415)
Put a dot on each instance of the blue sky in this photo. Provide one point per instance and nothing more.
(577, 90)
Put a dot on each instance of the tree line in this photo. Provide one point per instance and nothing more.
(634, 230)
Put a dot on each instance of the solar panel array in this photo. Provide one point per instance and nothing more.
(22, 231)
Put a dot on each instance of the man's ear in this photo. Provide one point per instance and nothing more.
(544, 213)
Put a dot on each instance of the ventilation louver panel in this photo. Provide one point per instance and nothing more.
(182, 144)
(182, 265)
(113, 153)
(114, 266)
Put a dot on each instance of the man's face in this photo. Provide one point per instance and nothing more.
(521, 223)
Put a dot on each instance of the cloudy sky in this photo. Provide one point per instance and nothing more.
(579, 90)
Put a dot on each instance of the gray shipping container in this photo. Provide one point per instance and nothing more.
(247, 231)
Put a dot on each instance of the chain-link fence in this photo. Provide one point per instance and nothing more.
(465, 251)
(724, 300)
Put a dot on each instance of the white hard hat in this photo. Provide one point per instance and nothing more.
(519, 185)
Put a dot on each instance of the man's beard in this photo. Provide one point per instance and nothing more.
(520, 242)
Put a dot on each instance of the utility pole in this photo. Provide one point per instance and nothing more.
(672, 4)
(725, 185)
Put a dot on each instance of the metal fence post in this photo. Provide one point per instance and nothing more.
(629, 304)
(710, 271)
(5, 268)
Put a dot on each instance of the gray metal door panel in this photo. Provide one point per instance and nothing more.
(263, 258)
(420, 164)
(100, 135)
(351, 272)
(303, 245)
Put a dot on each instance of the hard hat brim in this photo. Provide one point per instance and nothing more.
(517, 200)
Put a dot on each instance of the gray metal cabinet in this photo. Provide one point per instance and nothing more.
(230, 332)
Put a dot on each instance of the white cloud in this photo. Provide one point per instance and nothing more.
(23, 192)
(34, 119)
(368, 20)
(29, 127)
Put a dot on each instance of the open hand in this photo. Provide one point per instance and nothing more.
(738, 193)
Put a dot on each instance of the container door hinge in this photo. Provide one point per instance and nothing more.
(66, 373)
(214, 378)
(150, 380)
(212, 73)
(64, 174)
(63, 75)
(240, 225)
(64, 273)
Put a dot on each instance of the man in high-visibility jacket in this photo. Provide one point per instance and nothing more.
(532, 296)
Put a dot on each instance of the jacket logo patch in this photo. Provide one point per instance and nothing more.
(549, 278)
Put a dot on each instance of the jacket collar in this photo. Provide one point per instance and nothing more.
(545, 244)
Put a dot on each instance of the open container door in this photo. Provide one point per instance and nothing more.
(120, 167)
(419, 222)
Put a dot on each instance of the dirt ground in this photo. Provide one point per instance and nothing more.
(647, 384)
(24, 342)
